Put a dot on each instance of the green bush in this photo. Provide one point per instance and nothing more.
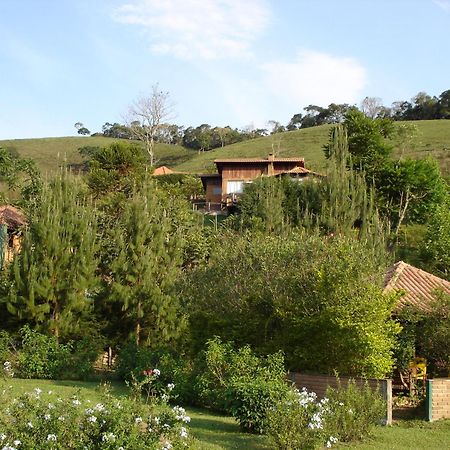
(41, 356)
(297, 422)
(346, 414)
(355, 411)
(251, 399)
(84, 353)
(133, 360)
(240, 383)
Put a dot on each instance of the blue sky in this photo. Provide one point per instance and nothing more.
(224, 62)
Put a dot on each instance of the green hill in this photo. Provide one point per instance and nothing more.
(433, 139)
(51, 153)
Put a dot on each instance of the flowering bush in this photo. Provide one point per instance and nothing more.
(298, 421)
(40, 420)
(346, 414)
(7, 370)
(356, 411)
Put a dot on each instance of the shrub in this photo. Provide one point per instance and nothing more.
(36, 421)
(355, 411)
(297, 421)
(346, 414)
(251, 399)
(84, 352)
(41, 356)
(133, 360)
(240, 383)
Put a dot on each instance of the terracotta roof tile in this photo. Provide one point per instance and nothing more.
(419, 286)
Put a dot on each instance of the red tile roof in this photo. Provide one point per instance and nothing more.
(419, 286)
(163, 170)
(11, 217)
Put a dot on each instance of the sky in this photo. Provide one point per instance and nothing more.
(223, 62)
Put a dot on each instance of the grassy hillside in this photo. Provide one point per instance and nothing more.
(306, 143)
(50, 153)
(433, 139)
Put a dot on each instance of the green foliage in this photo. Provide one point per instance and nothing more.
(133, 360)
(325, 309)
(339, 203)
(41, 356)
(241, 383)
(433, 336)
(436, 246)
(251, 399)
(297, 421)
(409, 190)
(355, 411)
(146, 265)
(20, 177)
(38, 420)
(52, 279)
(366, 140)
(117, 168)
(345, 414)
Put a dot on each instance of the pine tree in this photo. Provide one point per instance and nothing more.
(148, 262)
(54, 274)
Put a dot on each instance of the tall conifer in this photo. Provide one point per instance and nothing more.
(52, 277)
(148, 261)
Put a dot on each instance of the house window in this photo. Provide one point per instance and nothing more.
(235, 187)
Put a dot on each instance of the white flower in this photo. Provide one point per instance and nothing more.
(47, 416)
(50, 406)
(76, 402)
(17, 442)
(92, 419)
(99, 407)
(156, 372)
(109, 437)
(138, 420)
(51, 437)
(170, 386)
(2, 437)
(166, 426)
(165, 397)
(183, 432)
(29, 425)
(50, 392)
(61, 418)
(38, 391)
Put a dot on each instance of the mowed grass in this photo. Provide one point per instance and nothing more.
(51, 153)
(217, 432)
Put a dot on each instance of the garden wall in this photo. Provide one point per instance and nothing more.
(320, 383)
(438, 399)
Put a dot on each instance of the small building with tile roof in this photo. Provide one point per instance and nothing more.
(419, 287)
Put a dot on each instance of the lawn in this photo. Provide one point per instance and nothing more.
(217, 432)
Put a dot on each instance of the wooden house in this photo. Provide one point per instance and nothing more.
(232, 175)
(11, 222)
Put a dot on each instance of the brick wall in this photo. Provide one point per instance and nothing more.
(320, 383)
(438, 399)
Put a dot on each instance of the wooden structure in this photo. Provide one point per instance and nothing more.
(232, 175)
(11, 222)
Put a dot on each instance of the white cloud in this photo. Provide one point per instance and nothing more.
(315, 78)
(206, 29)
(443, 4)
